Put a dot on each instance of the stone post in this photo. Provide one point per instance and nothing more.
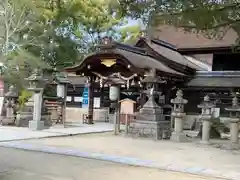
(234, 124)
(178, 115)
(206, 118)
(62, 82)
(11, 97)
(36, 85)
(114, 93)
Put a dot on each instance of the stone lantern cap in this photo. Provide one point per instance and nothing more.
(36, 76)
(235, 106)
(61, 78)
(206, 103)
(36, 81)
(11, 93)
(179, 99)
(152, 78)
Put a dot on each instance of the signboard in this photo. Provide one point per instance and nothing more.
(85, 98)
(97, 102)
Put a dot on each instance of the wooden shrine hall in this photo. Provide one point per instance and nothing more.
(200, 66)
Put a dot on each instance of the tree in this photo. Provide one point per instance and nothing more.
(15, 16)
(55, 33)
(211, 18)
(71, 29)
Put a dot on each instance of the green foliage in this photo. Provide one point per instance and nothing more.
(210, 18)
(55, 34)
(50, 91)
(129, 34)
(23, 98)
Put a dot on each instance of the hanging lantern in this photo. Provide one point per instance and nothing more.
(61, 90)
(114, 93)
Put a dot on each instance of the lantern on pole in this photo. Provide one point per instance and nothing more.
(36, 84)
(62, 81)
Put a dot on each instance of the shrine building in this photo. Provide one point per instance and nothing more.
(179, 59)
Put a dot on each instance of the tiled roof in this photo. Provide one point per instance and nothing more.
(182, 39)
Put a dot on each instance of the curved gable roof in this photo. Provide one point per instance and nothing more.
(136, 57)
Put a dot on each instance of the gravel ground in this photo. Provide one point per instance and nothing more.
(26, 165)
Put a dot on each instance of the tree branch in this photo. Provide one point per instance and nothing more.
(217, 26)
(192, 10)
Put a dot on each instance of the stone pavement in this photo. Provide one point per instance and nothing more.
(8, 133)
(26, 165)
(166, 155)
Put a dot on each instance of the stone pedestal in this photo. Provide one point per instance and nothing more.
(234, 133)
(206, 121)
(178, 135)
(206, 118)
(149, 129)
(150, 121)
(36, 123)
(234, 120)
(178, 115)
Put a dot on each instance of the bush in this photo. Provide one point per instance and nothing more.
(23, 98)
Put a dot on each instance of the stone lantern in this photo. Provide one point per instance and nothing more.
(62, 81)
(234, 123)
(178, 115)
(11, 97)
(206, 118)
(114, 93)
(150, 120)
(36, 85)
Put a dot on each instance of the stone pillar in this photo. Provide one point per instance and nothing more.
(178, 115)
(36, 123)
(62, 84)
(234, 124)
(114, 93)
(36, 85)
(206, 118)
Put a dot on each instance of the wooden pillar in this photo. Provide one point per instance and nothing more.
(91, 101)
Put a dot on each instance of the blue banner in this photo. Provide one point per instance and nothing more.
(85, 98)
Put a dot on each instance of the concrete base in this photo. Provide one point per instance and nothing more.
(58, 126)
(232, 146)
(205, 142)
(36, 125)
(149, 129)
(178, 137)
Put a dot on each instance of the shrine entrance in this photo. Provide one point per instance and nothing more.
(129, 68)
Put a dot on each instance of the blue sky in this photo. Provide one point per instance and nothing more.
(133, 22)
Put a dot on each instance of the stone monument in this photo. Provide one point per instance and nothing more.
(36, 85)
(234, 124)
(150, 120)
(178, 115)
(206, 118)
